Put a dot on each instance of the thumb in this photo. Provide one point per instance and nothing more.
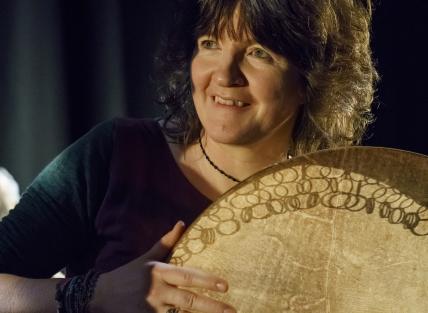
(161, 249)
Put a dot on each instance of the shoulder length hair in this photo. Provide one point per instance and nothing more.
(327, 40)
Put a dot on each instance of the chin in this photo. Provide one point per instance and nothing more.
(232, 136)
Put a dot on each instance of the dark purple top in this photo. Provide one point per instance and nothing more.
(147, 194)
(103, 202)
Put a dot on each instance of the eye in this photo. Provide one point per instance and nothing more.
(208, 44)
(261, 54)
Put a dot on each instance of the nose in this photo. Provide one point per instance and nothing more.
(228, 72)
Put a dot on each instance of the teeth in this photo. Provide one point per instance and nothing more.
(237, 103)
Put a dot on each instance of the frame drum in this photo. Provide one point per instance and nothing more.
(343, 230)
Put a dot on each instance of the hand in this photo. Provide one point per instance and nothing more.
(146, 285)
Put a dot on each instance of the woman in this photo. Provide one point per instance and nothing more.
(245, 84)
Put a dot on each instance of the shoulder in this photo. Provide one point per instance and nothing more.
(146, 127)
(120, 131)
(137, 140)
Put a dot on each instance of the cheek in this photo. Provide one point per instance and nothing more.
(267, 88)
(278, 85)
(200, 74)
(277, 95)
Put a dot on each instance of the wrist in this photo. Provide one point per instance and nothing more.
(75, 294)
(95, 304)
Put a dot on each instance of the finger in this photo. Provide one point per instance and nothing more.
(192, 277)
(168, 309)
(161, 249)
(191, 301)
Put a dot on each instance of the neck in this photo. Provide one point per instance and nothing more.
(241, 161)
(237, 160)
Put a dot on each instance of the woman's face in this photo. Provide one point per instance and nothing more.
(243, 92)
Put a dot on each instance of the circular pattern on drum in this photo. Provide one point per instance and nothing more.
(342, 230)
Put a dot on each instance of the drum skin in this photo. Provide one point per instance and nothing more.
(342, 230)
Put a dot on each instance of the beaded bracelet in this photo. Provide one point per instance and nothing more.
(59, 295)
(73, 295)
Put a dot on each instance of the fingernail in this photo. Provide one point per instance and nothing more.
(221, 286)
(181, 223)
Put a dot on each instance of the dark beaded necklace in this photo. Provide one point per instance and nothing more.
(215, 166)
(219, 169)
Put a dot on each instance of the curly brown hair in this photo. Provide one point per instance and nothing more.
(328, 41)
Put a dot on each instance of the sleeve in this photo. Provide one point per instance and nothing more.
(53, 222)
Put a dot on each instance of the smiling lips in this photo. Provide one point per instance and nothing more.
(230, 102)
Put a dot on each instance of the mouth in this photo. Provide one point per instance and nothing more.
(230, 102)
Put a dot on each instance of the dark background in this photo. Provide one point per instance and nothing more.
(67, 65)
